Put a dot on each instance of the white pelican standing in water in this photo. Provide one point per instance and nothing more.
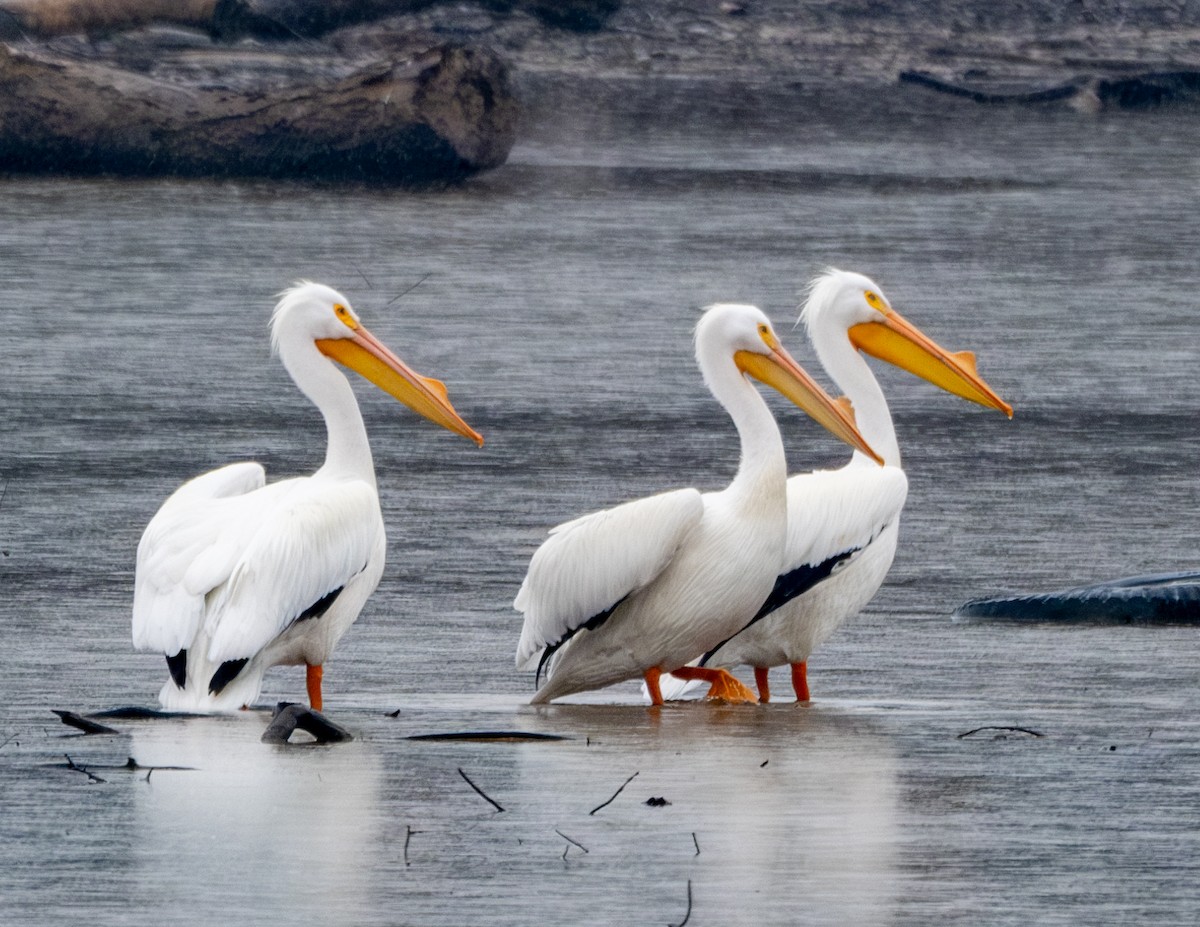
(843, 524)
(235, 576)
(641, 589)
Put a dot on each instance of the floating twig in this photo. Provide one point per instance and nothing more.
(688, 913)
(130, 765)
(569, 842)
(502, 736)
(134, 766)
(482, 794)
(411, 288)
(697, 842)
(354, 264)
(614, 794)
(9, 739)
(71, 764)
(408, 834)
(1015, 730)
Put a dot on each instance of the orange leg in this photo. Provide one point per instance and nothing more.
(313, 679)
(760, 680)
(722, 685)
(651, 676)
(800, 681)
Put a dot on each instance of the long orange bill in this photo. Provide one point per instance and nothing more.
(365, 354)
(894, 339)
(780, 371)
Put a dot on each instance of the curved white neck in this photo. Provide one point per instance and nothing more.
(850, 371)
(347, 452)
(762, 471)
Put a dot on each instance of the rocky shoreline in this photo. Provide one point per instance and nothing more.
(536, 56)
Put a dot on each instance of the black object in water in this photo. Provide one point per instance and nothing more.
(1164, 598)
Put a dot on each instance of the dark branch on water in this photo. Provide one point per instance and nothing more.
(482, 794)
(697, 842)
(408, 834)
(569, 842)
(688, 913)
(79, 722)
(91, 775)
(1015, 730)
(614, 794)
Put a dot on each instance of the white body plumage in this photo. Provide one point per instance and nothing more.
(234, 575)
(647, 586)
(843, 525)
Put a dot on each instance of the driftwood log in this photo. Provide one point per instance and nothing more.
(46, 18)
(424, 116)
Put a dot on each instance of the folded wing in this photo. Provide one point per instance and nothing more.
(245, 566)
(588, 565)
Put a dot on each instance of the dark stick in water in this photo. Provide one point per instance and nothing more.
(688, 913)
(615, 794)
(481, 792)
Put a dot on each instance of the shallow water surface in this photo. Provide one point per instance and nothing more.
(556, 299)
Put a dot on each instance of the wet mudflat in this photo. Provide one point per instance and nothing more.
(558, 306)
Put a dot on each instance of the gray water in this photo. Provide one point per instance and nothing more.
(556, 300)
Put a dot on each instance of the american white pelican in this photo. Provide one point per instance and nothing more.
(843, 524)
(643, 588)
(235, 576)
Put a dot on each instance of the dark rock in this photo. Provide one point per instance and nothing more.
(1167, 598)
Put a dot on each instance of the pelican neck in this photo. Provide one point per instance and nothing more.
(347, 450)
(853, 376)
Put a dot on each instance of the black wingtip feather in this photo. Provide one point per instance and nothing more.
(225, 674)
(177, 667)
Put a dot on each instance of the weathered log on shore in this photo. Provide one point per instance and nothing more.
(432, 115)
(46, 18)
(1127, 91)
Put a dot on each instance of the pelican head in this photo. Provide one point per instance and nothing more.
(749, 338)
(321, 316)
(855, 304)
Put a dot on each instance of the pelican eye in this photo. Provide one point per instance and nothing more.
(767, 336)
(343, 313)
(875, 301)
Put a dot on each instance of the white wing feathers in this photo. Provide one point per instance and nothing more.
(318, 539)
(167, 607)
(248, 565)
(589, 564)
(830, 511)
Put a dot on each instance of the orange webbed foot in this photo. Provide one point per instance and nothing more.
(723, 685)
